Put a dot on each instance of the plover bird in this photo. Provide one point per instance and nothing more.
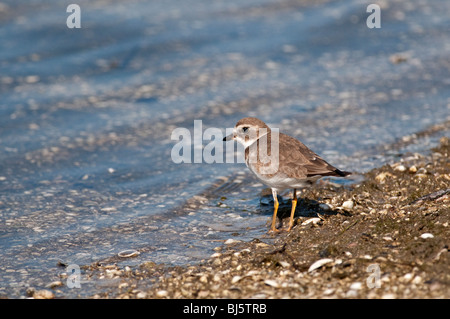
(279, 161)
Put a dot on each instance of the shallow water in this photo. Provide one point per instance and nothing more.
(86, 117)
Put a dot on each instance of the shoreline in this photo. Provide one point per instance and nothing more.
(386, 237)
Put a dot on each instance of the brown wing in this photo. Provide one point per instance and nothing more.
(300, 162)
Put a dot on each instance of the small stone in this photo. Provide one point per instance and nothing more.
(356, 286)
(422, 170)
(407, 277)
(381, 178)
(162, 293)
(348, 204)
(43, 294)
(55, 284)
(426, 235)
(203, 294)
(400, 168)
(328, 292)
(417, 280)
(231, 241)
(398, 58)
(413, 169)
(284, 264)
(141, 295)
(32, 79)
(123, 285)
(324, 206)
(444, 140)
(30, 291)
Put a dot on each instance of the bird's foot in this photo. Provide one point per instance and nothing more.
(273, 230)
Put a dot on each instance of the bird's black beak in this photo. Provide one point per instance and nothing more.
(228, 138)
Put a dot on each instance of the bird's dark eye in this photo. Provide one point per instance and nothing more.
(245, 129)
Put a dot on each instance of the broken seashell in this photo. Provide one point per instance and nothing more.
(320, 263)
(128, 253)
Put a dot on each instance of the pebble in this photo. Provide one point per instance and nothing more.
(426, 235)
(123, 285)
(162, 293)
(32, 79)
(324, 206)
(231, 241)
(356, 286)
(381, 178)
(351, 294)
(55, 284)
(203, 294)
(407, 277)
(348, 204)
(143, 295)
(400, 168)
(43, 294)
(422, 170)
(417, 280)
(329, 291)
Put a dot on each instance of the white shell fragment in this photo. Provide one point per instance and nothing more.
(400, 168)
(426, 235)
(320, 263)
(235, 279)
(348, 204)
(272, 283)
(162, 293)
(128, 253)
(313, 220)
(231, 241)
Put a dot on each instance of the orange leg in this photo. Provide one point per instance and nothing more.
(294, 205)
(275, 210)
